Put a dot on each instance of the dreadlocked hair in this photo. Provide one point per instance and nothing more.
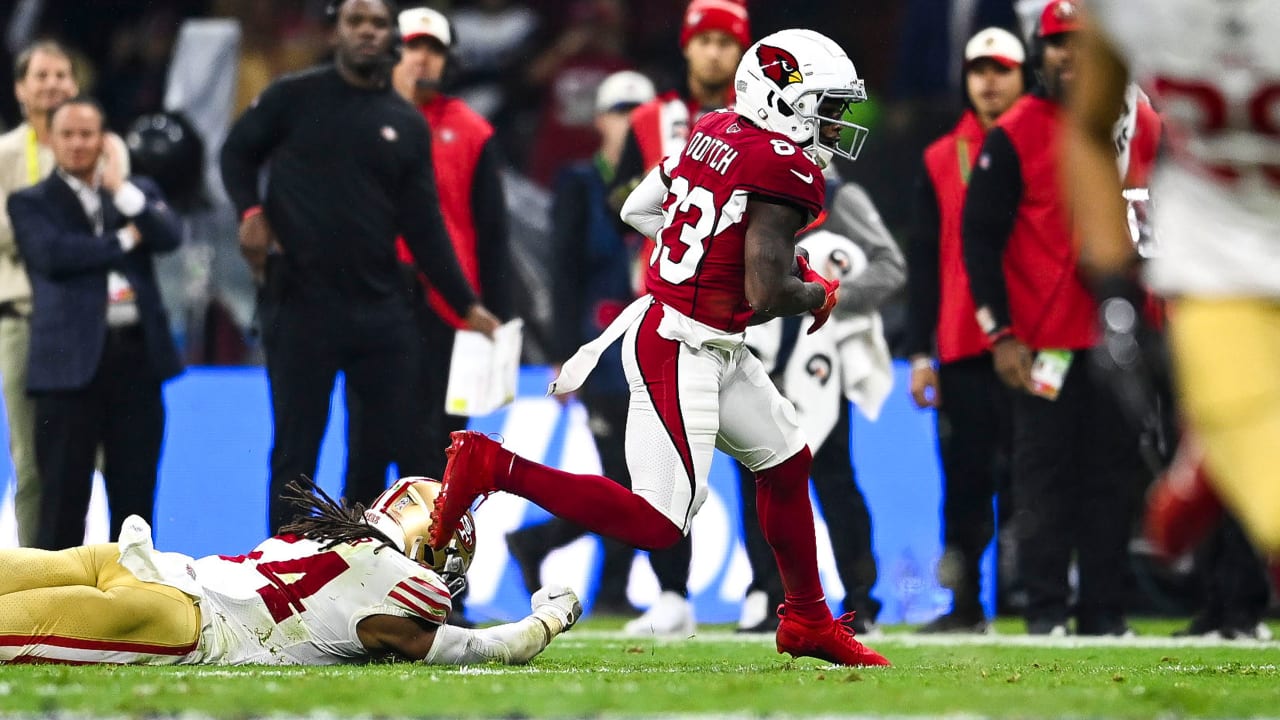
(323, 518)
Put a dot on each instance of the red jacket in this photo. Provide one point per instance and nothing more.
(1048, 302)
(948, 162)
(458, 134)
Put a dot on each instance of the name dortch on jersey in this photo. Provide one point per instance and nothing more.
(697, 266)
(291, 601)
(1212, 69)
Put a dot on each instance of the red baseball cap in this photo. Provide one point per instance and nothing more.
(1060, 16)
(728, 16)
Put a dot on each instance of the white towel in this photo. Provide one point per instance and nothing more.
(848, 356)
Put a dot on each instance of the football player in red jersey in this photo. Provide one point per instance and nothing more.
(724, 213)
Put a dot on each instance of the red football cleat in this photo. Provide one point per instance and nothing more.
(831, 640)
(1182, 508)
(468, 474)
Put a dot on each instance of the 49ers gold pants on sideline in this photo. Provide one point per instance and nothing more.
(1227, 353)
(81, 606)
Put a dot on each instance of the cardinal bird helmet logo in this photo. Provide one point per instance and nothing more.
(778, 65)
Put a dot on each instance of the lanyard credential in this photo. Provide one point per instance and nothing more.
(33, 157)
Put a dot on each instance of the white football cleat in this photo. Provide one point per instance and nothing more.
(557, 603)
(671, 615)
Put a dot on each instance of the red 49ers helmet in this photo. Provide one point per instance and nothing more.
(403, 513)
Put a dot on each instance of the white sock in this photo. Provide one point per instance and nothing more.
(511, 644)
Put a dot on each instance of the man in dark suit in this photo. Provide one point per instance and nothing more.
(100, 342)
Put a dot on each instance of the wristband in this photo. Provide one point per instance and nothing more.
(255, 210)
(922, 363)
(999, 334)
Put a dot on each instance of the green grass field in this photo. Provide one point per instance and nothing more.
(593, 671)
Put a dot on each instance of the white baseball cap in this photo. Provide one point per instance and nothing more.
(623, 89)
(425, 22)
(997, 44)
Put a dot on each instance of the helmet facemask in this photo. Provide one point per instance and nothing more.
(828, 114)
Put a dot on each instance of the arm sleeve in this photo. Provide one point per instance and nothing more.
(568, 229)
(158, 224)
(990, 209)
(8, 246)
(643, 208)
(854, 216)
(425, 597)
(923, 291)
(493, 249)
(58, 253)
(422, 227)
(789, 179)
(250, 142)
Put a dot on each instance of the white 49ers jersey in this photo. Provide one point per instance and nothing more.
(1212, 69)
(290, 602)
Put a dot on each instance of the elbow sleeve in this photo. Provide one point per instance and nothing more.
(643, 208)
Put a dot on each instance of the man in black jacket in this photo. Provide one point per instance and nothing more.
(350, 169)
(100, 342)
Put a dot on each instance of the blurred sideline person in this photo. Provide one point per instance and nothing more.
(1218, 221)
(1076, 467)
(592, 285)
(712, 39)
(838, 367)
(340, 585)
(951, 368)
(726, 211)
(467, 171)
(101, 349)
(467, 168)
(468, 174)
(43, 78)
(350, 169)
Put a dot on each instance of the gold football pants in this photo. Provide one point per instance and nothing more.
(1227, 353)
(81, 606)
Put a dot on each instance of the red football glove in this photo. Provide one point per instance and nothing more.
(832, 287)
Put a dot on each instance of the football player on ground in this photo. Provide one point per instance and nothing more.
(1211, 67)
(338, 585)
(724, 213)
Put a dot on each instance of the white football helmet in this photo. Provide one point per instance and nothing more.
(403, 513)
(794, 82)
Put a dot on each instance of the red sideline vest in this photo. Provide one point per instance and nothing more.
(949, 161)
(661, 127)
(458, 134)
(1048, 302)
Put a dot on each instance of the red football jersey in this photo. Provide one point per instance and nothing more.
(697, 266)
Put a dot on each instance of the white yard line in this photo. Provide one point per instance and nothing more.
(914, 640)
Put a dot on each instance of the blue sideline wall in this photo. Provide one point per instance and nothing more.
(212, 497)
